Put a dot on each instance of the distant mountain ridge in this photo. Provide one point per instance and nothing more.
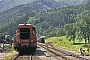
(8, 4)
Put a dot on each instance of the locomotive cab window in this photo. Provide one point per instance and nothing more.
(24, 33)
(33, 31)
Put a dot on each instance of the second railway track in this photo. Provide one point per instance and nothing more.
(65, 55)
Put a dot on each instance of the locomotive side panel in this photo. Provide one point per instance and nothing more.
(34, 36)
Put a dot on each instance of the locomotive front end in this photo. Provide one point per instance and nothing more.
(25, 38)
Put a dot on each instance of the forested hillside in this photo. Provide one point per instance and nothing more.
(36, 6)
(11, 14)
(20, 10)
(50, 22)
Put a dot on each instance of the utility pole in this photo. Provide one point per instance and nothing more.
(88, 47)
(88, 29)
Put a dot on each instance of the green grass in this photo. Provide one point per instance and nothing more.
(8, 48)
(62, 42)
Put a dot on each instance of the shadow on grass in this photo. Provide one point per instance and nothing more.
(79, 43)
(83, 44)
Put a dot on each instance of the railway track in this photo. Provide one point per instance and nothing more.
(60, 53)
(24, 57)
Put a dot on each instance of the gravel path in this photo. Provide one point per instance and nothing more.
(3, 55)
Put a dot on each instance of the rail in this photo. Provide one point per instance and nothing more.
(24, 57)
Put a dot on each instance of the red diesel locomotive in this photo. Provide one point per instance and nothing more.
(25, 38)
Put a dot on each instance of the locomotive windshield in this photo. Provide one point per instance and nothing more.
(24, 33)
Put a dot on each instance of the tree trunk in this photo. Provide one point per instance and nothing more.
(88, 41)
(85, 42)
(73, 41)
(85, 38)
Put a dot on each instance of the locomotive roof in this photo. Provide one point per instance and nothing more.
(24, 24)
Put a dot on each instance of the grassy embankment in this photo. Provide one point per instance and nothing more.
(62, 42)
(11, 56)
